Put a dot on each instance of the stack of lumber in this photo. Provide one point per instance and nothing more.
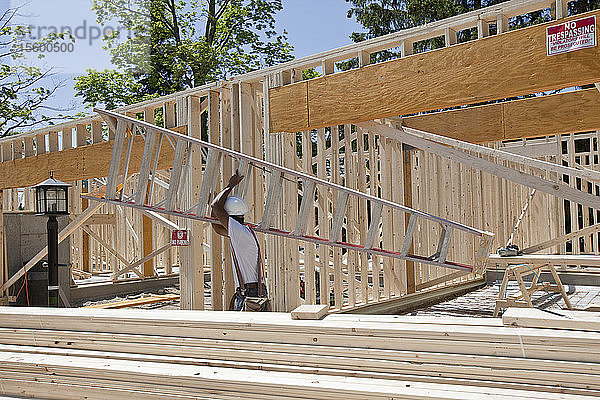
(152, 354)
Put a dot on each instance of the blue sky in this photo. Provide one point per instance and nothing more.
(313, 26)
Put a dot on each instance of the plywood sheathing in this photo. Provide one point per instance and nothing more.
(494, 67)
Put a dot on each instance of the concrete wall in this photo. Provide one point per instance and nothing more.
(26, 236)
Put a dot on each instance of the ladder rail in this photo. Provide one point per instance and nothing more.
(306, 238)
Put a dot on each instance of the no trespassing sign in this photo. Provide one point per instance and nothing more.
(572, 35)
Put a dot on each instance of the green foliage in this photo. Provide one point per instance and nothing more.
(23, 94)
(310, 74)
(110, 88)
(381, 17)
(174, 44)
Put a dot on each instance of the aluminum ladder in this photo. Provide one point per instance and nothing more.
(143, 198)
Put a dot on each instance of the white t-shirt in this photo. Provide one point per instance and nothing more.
(246, 250)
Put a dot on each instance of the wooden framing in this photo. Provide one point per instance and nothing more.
(243, 115)
(420, 82)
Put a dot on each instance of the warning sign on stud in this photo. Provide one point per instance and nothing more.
(569, 36)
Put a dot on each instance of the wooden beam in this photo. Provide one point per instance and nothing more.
(85, 243)
(3, 264)
(558, 189)
(147, 228)
(216, 241)
(563, 113)
(534, 318)
(102, 219)
(496, 67)
(108, 248)
(500, 155)
(411, 281)
(142, 261)
(70, 165)
(590, 230)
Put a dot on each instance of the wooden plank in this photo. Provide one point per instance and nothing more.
(563, 238)
(85, 162)
(572, 112)
(421, 82)
(217, 255)
(554, 259)
(206, 380)
(109, 248)
(575, 111)
(136, 302)
(228, 166)
(193, 298)
(147, 234)
(408, 201)
(534, 318)
(141, 261)
(296, 107)
(86, 264)
(308, 311)
(306, 219)
(3, 263)
(67, 138)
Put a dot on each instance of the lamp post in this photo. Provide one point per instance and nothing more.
(51, 199)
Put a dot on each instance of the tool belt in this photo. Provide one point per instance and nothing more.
(249, 299)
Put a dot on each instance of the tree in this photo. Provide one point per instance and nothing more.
(24, 89)
(174, 44)
(380, 17)
(112, 88)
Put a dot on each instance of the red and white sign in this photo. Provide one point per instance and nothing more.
(180, 238)
(569, 36)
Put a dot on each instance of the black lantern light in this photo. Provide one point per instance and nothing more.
(51, 199)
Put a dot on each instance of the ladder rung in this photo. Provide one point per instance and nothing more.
(140, 195)
(176, 172)
(242, 188)
(308, 202)
(187, 170)
(208, 181)
(127, 159)
(444, 243)
(408, 237)
(155, 167)
(273, 196)
(115, 163)
(338, 217)
(373, 233)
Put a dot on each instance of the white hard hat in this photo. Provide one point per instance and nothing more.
(235, 206)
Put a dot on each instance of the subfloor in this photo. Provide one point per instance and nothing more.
(481, 302)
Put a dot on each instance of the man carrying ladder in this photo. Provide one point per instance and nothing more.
(251, 293)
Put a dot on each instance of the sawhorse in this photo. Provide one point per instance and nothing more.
(518, 272)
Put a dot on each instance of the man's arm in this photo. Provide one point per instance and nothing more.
(218, 204)
(217, 227)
